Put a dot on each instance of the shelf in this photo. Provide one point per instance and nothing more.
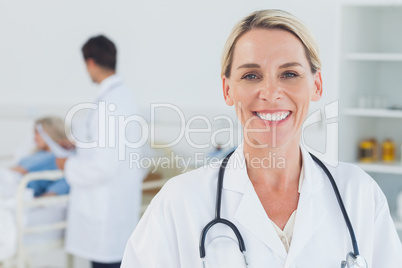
(398, 225)
(394, 168)
(397, 222)
(374, 56)
(384, 113)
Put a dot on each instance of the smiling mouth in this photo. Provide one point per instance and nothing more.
(273, 117)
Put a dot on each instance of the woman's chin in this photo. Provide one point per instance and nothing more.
(264, 143)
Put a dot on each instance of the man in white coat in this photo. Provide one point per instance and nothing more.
(105, 193)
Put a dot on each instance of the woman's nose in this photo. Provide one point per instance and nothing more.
(270, 91)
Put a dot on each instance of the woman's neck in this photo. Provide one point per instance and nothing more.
(275, 168)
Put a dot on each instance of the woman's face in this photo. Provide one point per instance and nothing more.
(271, 86)
(40, 143)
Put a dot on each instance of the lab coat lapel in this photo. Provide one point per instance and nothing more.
(310, 212)
(252, 216)
(250, 213)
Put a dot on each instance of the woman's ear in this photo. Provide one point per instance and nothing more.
(318, 86)
(227, 91)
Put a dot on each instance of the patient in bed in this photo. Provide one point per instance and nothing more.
(43, 159)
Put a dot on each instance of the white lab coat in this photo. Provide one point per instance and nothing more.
(105, 196)
(168, 235)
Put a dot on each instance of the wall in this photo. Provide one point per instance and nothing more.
(169, 51)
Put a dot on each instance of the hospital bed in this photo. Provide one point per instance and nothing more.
(40, 223)
(26, 250)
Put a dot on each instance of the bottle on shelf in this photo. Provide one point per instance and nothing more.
(388, 151)
(367, 151)
(375, 149)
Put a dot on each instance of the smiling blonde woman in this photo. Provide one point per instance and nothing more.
(298, 214)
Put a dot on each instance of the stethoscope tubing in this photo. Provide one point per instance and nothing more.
(218, 218)
(220, 186)
(340, 202)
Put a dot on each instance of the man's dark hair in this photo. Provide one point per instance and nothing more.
(101, 50)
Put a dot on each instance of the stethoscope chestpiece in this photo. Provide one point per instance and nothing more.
(203, 262)
(354, 261)
(245, 258)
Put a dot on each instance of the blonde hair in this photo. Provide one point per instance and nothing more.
(54, 127)
(271, 19)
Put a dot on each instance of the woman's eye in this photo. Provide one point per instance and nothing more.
(250, 77)
(289, 75)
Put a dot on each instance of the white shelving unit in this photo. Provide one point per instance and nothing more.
(380, 168)
(398, 223)
(383, 113)
(371, 67)
(374, 56)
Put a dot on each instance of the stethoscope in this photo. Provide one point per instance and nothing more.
(353, 259)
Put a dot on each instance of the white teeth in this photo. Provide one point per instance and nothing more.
(274, 117)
